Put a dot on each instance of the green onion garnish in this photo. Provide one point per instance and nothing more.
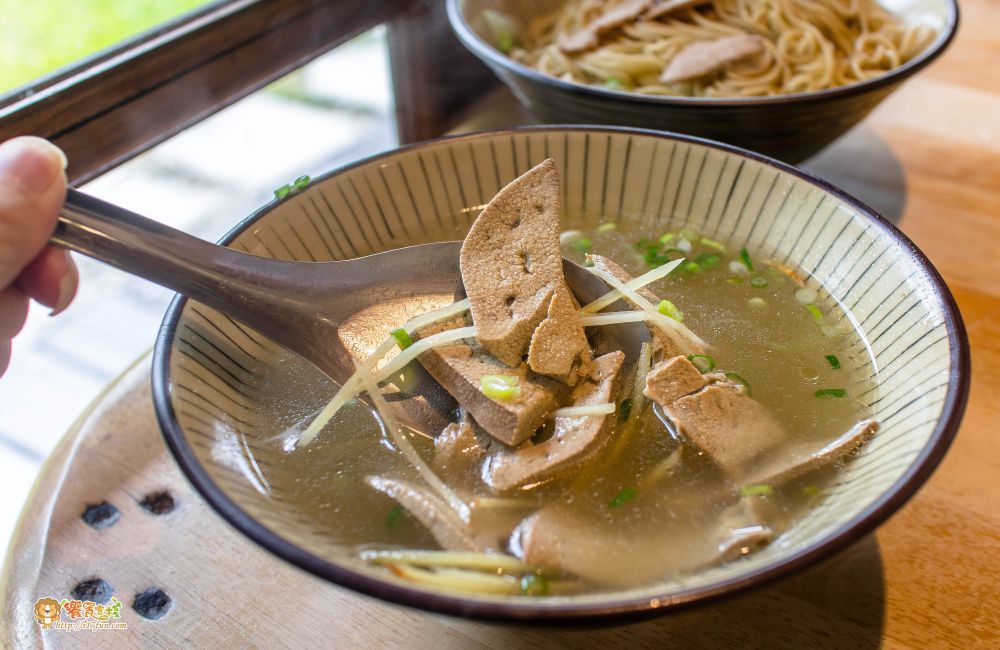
(582, 246)
(282, 191)
(534, 585)
(668, 308)
(833, 361)
(702, 362)
(667, 237)
(402, 337)
(501, 387)
(816, 313)
(810, 490)
(759, 282)
(393, 516)
(693, 267)
(759, 490)
(622, 497)
(612, 83)
(737, 378)
(689, 234)
(588, 262)
(301, 182)
(606, 227)
(831, 392)
(625, 409)
(745, 256)
(713, 244)
(734, 280)
(708, 260)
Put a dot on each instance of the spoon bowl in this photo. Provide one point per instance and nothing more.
(314, 309)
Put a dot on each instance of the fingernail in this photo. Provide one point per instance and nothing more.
(67, 287)
(31, 163)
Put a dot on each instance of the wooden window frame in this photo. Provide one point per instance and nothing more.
(119, 103)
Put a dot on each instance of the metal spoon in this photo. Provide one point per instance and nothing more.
(298, 305)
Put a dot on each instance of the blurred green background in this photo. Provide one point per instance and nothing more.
(40, 36)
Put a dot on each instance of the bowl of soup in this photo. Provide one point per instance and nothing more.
(781, 78)
(788, 369)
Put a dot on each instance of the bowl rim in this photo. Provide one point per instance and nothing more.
(489, 54)
(616, 609)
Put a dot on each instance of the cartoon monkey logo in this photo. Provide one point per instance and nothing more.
(47, 611)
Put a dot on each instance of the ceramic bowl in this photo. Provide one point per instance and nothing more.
(220, 388)
(788, 127)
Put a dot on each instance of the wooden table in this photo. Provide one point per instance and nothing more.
(928, 159)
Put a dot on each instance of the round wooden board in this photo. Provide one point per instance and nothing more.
(227, 592)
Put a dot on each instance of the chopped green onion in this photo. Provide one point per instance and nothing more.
(667, 237)
(810, 490)
(831, 392)
(622, 497)
(625, 409)
(534, 585)
(606, 227)
(702, 362)
(745, 256)
(713, 244)
(402, 337)
(301, 182)
(501, 387)
(815, 311)
(582, 246)
(668, 308)
(777, 276)
(689, 234)
(501, 28)
(833, 360)
(693, 267)
(708, 260)
(393, 516)
(759, 490)
(759, 282)
(738, 378)
(588, 262)
(644, 243)
(612, 83)
(734, 280)
(282, 191)
(757, 303)
(505, 42)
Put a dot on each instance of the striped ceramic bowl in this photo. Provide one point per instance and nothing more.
(789, 127)
(218, 385)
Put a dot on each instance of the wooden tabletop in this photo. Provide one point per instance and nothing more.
(928, 159)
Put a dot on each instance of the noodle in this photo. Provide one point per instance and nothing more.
(804, 45)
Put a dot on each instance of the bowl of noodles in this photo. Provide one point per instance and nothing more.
(782, 77)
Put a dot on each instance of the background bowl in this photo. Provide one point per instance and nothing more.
(217, 385)
(788, 127)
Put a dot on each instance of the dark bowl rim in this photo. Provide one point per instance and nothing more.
(493, 57)
(611, 611)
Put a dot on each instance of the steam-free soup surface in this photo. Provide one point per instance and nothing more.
(651, 501)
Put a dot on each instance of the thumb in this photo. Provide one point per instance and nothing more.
(32, 189)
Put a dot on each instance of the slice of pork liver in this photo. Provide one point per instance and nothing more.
(458, 453)
(512, 269)
(574, 439)
(486, 530)
(732, 428)
(736, 431)
(432, 512)
(672, 379)
(559, 347)
(614, 551)
(460, 366)
(794, 460)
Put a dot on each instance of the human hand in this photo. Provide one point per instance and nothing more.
(32, 190)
